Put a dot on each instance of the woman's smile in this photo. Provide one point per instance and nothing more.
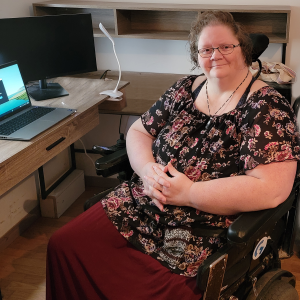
(219, 65)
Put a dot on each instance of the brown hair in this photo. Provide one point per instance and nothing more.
(208, 18)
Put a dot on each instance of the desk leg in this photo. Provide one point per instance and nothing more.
(44, 192)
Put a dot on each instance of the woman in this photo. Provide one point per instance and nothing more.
(212, 147)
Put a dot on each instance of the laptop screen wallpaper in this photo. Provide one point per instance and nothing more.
(13, 94)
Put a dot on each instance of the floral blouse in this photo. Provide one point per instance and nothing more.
(260, 130)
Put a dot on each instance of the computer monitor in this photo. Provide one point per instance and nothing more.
(47, 47)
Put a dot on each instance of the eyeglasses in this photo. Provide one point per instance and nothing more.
(223, 49)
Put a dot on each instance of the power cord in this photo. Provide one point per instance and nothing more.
(120, 123)
(86, 153)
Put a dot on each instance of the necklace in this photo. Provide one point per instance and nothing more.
(210, 116)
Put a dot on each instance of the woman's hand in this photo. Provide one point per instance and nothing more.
(172, 190)
(139, 148)
(151, 187)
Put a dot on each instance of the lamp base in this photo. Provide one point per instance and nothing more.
(112, 94)
(114, 99)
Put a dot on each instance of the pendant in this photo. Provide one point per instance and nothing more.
(208, 123)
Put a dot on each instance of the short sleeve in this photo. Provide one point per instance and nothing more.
(157, 116)
(268, 130)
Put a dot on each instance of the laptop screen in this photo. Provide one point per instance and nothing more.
(13, 94)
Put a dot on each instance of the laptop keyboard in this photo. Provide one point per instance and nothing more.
(23, 120)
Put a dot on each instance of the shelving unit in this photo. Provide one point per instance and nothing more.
(168, 21)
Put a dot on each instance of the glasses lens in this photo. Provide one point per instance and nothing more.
(206, 52)
(226, 49)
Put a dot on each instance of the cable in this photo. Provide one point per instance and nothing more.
(120, 123)
(86, 153)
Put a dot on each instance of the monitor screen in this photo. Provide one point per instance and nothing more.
(47, 47)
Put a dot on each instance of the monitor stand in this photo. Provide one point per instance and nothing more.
(45, 91)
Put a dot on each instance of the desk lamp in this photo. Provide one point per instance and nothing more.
(112, 93)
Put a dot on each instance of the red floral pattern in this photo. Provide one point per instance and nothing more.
(260, 131)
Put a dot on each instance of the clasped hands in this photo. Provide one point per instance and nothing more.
(163, 189)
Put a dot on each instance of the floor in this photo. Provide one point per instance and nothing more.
(22, 264)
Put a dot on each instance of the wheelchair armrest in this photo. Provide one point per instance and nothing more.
(121, 144)
(242, 235)
(112, 163)
(249, 225)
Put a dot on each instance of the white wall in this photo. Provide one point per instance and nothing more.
(157, 56)
(15, 8)
(134, 55)
(172, 56)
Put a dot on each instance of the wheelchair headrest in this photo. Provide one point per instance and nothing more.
(260, 43)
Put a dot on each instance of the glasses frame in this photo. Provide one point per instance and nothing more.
(218, 48)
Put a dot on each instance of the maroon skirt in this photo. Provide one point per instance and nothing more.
(88, 259)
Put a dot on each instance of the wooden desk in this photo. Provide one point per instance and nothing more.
(144, 90)
(19, 159)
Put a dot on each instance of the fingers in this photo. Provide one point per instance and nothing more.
(153, 194)
(158, 204)
(161, 167)
(153, 183)
(153, 190)
(161, 177)
(171, 169)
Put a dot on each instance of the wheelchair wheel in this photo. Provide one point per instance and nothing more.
(280, 290)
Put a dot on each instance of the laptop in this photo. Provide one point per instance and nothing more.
(19, 119)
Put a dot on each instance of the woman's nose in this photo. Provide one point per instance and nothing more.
(216, 54)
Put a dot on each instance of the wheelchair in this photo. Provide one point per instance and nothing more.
(248, 266)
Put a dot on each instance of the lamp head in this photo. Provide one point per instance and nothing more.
(102, 28)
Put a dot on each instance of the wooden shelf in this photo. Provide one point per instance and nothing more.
(168, 21)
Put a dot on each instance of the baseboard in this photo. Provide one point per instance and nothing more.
(19, 228)
(101, 182)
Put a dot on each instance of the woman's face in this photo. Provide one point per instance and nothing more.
(219, 65)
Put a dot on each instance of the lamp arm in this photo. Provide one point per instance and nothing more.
(119, 68)
(112, 93)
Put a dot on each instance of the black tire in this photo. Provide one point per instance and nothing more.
(280, 290)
